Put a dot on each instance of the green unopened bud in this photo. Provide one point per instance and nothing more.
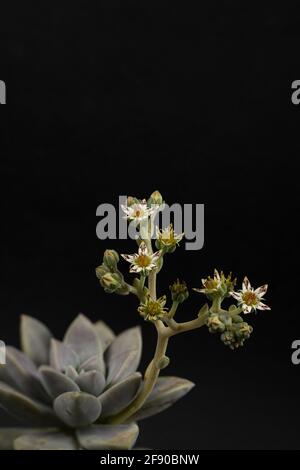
(111, 282)
(237, 319)
(101, 270)
(179, 291)
(132, 200)
(155, 199)
(215, 324)
(163, 362)
(111, 259)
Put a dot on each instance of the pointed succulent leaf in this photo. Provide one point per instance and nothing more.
(8, 435)
(123, 355)
(117, 397)
(35, 340)
(62, 356)
(77, 409)
(83, 339)
(92, 382)
(94, 363)
(108, 437)
(166, 392)
(46, 441)
(23, 373)
(71, 372)
(105, 334)
(24, 408)
(56, 383)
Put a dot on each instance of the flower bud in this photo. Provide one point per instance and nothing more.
(101, 270)
(111, 259)
(155, 199)
(215, 324)
(132, 200)
(179, 291)
(111, 282)
(163, 362)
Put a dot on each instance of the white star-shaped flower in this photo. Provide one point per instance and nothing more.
(138, 211)
(143, 261)
(250, 299)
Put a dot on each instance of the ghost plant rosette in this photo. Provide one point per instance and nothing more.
(85, 392)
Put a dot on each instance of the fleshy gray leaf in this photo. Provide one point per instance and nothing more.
(23, 374)
(46, 441)
(92, 382)
(117, 397)
(94, 363)
(35, 340)
(108, 437)
(62, 356)
(105, 334)
(71, 372)
(77, 409)
(124, 354)
(8, 435)
(56, 383)
(165, 393)
(81, 336)
(24, 408)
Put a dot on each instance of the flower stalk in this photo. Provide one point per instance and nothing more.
(228, 323)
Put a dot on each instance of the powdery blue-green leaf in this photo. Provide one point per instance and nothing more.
(81, 336)
(105, 334)
(117, 397)
(62, 356)
(92, 382)
(71, 372)
(77, 409)
(24, 408)
(46, 441)
(108, 437)
(9, 435)
(23, 374)
(123, 355)
(94, 363)
(166, 392)
(35, 340)
(56, 383)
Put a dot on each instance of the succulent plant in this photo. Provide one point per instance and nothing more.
(67, 392)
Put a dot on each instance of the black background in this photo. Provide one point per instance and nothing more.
(108, 98)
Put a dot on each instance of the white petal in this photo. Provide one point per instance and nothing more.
(196, 289)
(262, 306)
(155, 257)
(246, 284)
(129, 258)
(135, 269)
(246, 308)
(203, 281)
(260, 291)
(125, 209)
(236, 295)
(143, 249)
(217, 275)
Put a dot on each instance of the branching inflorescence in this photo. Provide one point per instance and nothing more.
(146, 264)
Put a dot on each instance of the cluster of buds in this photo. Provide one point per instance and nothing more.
(111, 279)
(146, 264)
(234, 331)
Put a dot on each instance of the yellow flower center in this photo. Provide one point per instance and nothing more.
(143, 261)
(249, 298)
(138, 213)
(211, 284)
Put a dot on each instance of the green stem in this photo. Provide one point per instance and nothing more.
(150, 379)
